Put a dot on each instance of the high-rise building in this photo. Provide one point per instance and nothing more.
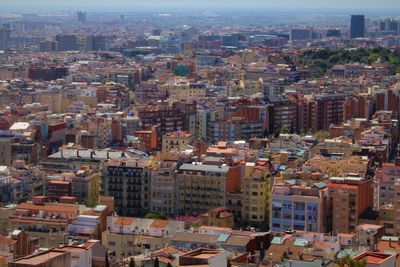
(326, 109)
(349, 197)
(300, 34)
(129, 183)
(4, 39)
(66, 42)
(163, 188)
(95, 43)
(357, 28)
(81, 15)
(390, 26)
(48, 46)
(256, 192)
(333, 33)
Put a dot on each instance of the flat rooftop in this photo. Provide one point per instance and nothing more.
(97, 155)
(41, 258)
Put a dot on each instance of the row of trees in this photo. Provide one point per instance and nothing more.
(322, 60)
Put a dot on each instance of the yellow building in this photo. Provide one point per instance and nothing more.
(251, 87)
(176, 140)
(86, 186)
(218, 217)
(256, 193)
(187, 91)
(336, 167)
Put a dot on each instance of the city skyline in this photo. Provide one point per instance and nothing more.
(214, 5)
(200, 133)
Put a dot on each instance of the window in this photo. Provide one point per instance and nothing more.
(111, 243)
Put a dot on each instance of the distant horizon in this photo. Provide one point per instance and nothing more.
(358, 6)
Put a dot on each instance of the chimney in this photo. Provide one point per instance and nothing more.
(108, 154)
(91, 154)
(77, 153)
(62, 154)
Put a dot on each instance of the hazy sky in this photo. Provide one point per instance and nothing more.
(148, 5)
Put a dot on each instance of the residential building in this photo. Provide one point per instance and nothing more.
(163, 187)
(221, 238)
(46, 221)
(202, 187)
(176, 140)
(299, 206)
(130, 236)
(218, 217)
(384, 184)
(129, 183)
(53, 257)
(349, 197)
(85, 187)
(209, 257)
(256, 185)
(73, 159)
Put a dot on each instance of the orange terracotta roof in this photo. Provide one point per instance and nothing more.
(159, 224)
(6, 241)
(342, 186)
(123, 221)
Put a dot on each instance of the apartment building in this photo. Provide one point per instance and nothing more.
(299, 206)
(163, 186)
(129, 183)
(176, 140)
(384, 184)
(46, 221)
(202, 187)
(85, 186)
(349, 197)
(256, 193)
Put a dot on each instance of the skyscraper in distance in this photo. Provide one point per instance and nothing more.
(81, 16)
(4, 39)
(357, 27)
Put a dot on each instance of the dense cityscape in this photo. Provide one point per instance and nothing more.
(199, 138)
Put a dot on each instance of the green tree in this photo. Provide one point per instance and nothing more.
(155, 216)
(322, 134)
(347, 261)
(92, 201)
